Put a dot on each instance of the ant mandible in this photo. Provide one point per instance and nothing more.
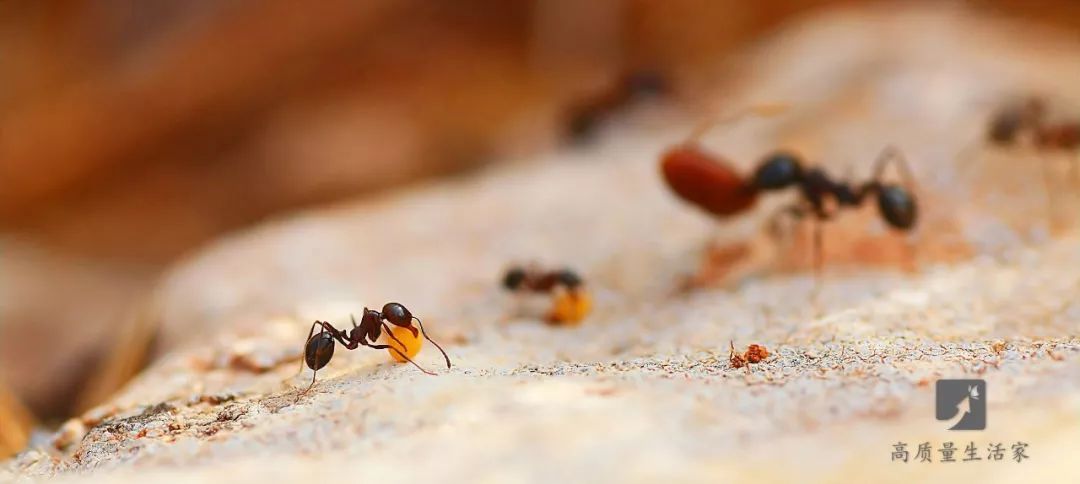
(319, 348)
(713, 185)
(572, 302)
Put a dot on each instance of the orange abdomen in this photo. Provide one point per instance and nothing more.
(709, 183)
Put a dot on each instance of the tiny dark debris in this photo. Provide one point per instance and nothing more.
(231, 413)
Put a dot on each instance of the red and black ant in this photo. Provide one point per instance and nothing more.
(572, 302)
(712, 184)
(319, 348)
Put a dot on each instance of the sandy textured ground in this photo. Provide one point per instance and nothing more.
(643, 390)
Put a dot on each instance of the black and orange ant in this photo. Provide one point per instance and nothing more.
(713, 185)
(572, 303)
(319, 348)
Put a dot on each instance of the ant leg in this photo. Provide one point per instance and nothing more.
(303, 357)
(422, 330)
(324, 327)
(1048, 187)
(819, 242)
(1074, 167)
(313, 373)
(758, 110)
(403, 355)
(820, 217)
(783, 234)
(303, 351)
(390, 334)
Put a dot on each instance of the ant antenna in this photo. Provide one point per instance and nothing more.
(758, 110)
(422, 330)
(893, 154)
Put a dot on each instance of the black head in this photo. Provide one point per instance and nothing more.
(514, 278)
(569, 279)
(319, 350)
(396, 314)
(1005, 127)
(897, 206)
(778, 170)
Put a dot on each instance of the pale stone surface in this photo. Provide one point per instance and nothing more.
(642, 390)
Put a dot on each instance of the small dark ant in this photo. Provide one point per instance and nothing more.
(319, 348)
(572, 302)
(587, 115)
(1029, 119)
(710, 183)
(534, 280)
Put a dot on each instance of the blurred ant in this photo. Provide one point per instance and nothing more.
(711, 183)
(319, 348)
(633, 87)
(1011, 122)
(535, 280)
(1029, 119)
(572, 302)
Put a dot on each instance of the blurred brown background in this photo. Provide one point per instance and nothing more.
(133, 132)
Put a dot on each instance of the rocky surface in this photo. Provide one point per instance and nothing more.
(643, 389)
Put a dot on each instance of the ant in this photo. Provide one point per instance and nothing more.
(587, 116)
(1011, 122)
(711, 183)
(1028, 121)
(1029, 118)
(572, 302)
(319, 348)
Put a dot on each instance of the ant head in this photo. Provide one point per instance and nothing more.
(319, 350)
(513, 278)
(897, 206)
(569, 279)
(396, 314)
(778, 170)
(1005, 127)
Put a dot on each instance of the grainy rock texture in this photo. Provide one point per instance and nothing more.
(643, 389)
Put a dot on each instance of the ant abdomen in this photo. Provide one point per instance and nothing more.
(705, 181)
(897, 206)
(319, 350)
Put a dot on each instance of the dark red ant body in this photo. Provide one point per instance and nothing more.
(711, 183)
(319, 348)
